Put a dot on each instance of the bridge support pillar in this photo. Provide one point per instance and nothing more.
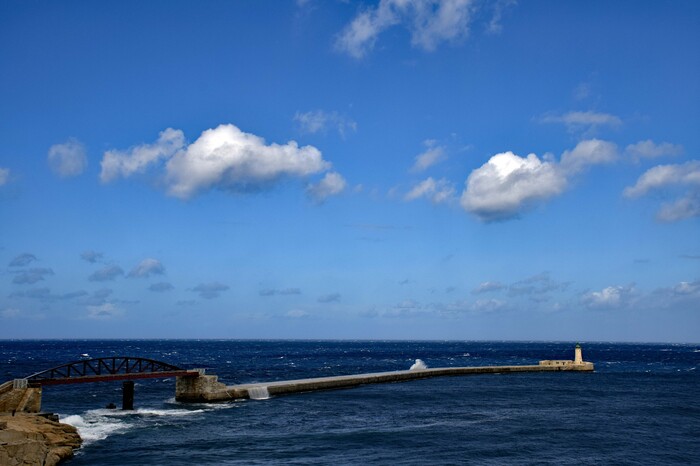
(128, 395)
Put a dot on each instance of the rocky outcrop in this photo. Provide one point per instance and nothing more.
(29, 439)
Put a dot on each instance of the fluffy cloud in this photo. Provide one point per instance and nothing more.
(106, 273)
(535, 285)
(316, 121)
(68, 159)
(432, 155)
(91, 256)
(429, 21)
(221, 158)
(684, 177)
(649, 150)
(508, 184)
(611, 297)
(486, 287)
(587, 153)
(22, 260)
(437, 191)
(31, 276)
(4, 175)
(146, 268)
(210, 290)
(137, 159)
(104, 311)
(331, 184)
(227, 158)
(161, 287)
(663, 176)
(583, 121)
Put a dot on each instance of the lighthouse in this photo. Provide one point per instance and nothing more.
(578, 358)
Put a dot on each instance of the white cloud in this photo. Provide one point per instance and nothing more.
(586, 153)
(228, 158)
(649, 150)
(432, 155)
(611, 297)
(147, 267)
(499, 6)
(318, 121)
(22, 260)
(68, 159)
(685, 288)
(486, 287)
(161, 287)
(4, 175)
(331, 184)
(91, 256)
(429, 21)
(662, 176)
(137, 159)
(31, 276)
(583, 121)
(508, 183)
(210, 290)
(224, 157)
(487, 305)
(680, 209)
(685, 177)
(106, 273)
(437, 191)
(104, 311)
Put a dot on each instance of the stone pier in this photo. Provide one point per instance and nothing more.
(208, 388)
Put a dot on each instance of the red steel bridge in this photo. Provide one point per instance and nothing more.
(110, 369)
(107, 370)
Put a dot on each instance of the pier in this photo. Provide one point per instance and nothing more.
(194, 385)
(207, 388)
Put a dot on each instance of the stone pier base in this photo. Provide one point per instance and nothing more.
(198, 389)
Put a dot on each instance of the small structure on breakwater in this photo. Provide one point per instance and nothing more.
(577, 361)
(207, 388)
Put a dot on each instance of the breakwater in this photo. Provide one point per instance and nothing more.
(208, 388)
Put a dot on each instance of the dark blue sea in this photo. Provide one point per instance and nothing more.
(641, 406)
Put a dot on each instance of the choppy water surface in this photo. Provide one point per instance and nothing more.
(641, 406)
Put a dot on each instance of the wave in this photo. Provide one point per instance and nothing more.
(98, 424)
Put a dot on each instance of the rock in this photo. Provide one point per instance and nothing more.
(29, 439)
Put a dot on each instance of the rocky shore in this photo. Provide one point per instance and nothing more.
(31, 439)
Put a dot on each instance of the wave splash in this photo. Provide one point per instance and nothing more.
(98, 424)
(418, 365)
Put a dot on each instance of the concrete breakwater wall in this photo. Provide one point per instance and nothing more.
(208, 388)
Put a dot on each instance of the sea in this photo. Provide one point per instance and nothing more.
(640, 406)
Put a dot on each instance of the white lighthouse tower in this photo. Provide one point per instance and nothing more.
(578, 357)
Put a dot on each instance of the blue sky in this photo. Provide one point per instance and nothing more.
(414, 169)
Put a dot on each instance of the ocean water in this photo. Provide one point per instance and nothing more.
(641, 406)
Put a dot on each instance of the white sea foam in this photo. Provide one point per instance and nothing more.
(258, 393)
(98, 424)
(93, 427)
(418, 365)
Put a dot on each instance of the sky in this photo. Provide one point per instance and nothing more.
(392, 169)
